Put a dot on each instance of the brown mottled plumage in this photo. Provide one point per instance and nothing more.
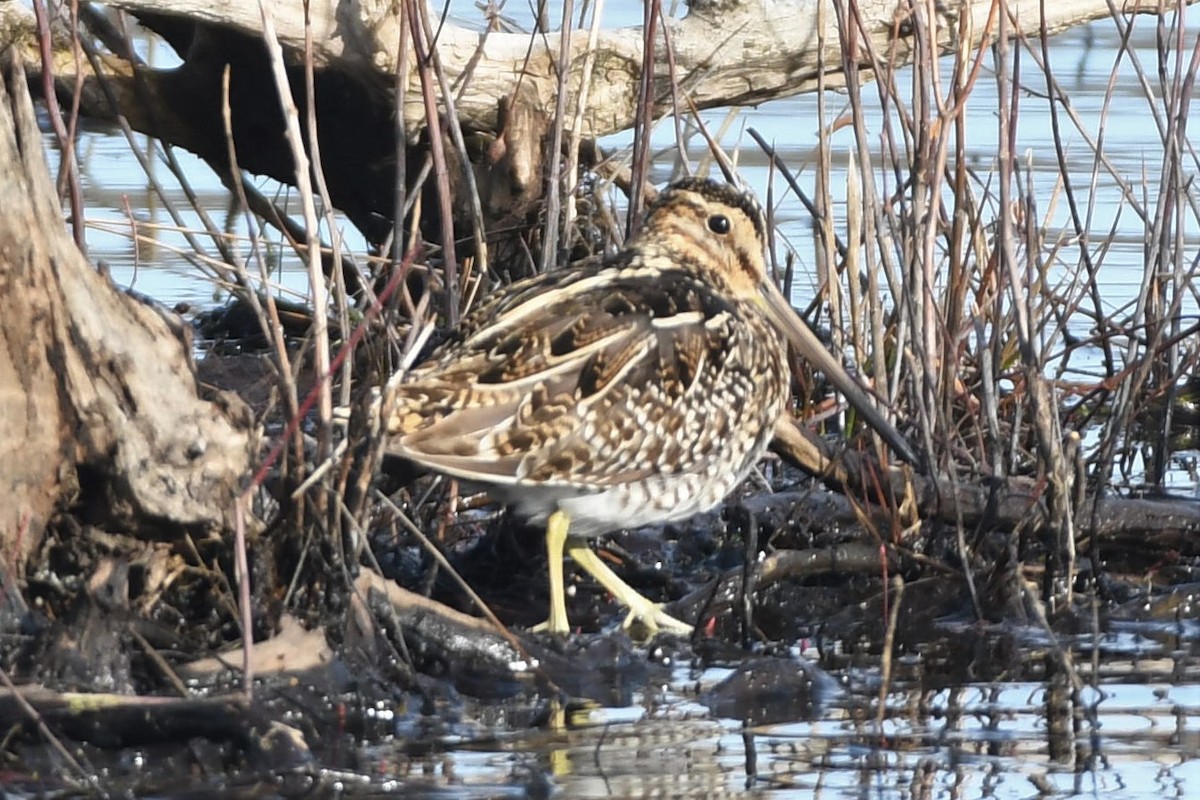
(636, 390)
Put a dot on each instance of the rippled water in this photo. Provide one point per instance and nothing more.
(1134, 733)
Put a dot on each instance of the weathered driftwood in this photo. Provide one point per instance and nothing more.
(720, 597)
(439, 632)
(99, 405)
(293, 651)
(724, 52)
(109, 720)
(998, 504)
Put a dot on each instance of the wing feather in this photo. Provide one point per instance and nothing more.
(585, 384)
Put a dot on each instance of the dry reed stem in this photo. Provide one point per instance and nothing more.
(940, 308)
(423, 55)
(454, 127)
(554, 181)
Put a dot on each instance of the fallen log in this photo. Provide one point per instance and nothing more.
(1000, 504)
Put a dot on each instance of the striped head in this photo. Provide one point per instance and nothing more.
(711, 227)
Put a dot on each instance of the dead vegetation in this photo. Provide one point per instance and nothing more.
(951, 288)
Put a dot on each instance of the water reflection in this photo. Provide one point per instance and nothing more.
(1135, 734)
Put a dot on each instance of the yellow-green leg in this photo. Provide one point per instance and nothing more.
(556, 538)
(640, 608)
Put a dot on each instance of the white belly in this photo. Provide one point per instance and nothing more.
(655, 500)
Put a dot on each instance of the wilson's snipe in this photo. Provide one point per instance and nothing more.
(637, 390)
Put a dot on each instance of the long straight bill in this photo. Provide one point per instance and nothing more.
(808, 346)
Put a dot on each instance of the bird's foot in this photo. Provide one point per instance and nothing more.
(651, 617)
(549, 627)
(651, 620)
(643, 616)
(642, 610)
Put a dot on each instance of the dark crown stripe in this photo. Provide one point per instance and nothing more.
(719, 193)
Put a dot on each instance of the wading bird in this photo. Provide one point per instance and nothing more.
(631, 391)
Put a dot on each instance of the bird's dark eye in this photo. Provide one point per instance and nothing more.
(719, 224)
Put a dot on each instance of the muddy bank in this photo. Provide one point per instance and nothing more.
(132, 645)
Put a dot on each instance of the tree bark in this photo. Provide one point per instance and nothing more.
(99, 404)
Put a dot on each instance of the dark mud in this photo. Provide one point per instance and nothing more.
(828, 656)
(797, 693)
